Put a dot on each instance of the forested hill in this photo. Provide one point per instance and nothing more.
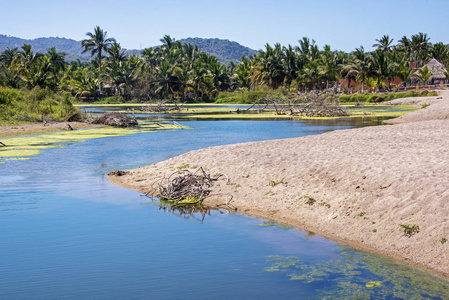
(224, 50)
(71, 47)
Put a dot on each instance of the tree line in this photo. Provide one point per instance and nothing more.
(181, 71)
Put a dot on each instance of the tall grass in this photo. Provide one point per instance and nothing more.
(248, 97)
(374, 98)
(31, 105)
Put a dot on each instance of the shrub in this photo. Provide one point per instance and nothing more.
(248, 97)
(31, 105)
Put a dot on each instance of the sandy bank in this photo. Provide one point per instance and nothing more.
(365, 182)
(35, 128)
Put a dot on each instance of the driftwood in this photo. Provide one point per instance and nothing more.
(114, 119)
(163, 106)
(312, 104)
(323, 104)
(2, 144)
(184, 187)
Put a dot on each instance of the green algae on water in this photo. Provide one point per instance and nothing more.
(26, 146)
(359, 275)
(274, 225)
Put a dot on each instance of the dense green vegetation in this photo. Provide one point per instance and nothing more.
(183, 72)
(33, 105)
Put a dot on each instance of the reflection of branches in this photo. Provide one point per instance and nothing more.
(187, 212)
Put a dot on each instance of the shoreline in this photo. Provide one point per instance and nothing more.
(35, 128)
(364, 182)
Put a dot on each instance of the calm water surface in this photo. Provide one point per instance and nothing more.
(67, 233)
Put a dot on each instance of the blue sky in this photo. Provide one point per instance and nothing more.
(344, 25)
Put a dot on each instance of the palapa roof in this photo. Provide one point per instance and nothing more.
(435, 67)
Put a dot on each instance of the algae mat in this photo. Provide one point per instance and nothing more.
(24, 147)
(357, 275)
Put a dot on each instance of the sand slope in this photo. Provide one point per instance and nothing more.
(365, 182)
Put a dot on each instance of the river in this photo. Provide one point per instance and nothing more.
(68, 233)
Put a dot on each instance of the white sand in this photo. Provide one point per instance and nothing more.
(365, 182)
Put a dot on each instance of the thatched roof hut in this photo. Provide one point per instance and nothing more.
(435, 67)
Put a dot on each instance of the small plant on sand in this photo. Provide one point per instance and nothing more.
(409, 230)
(361, 214)
(374, 230)
(443, 240)
(424, 105)
(183, 166)
(274, 183)
(237, 186)
(309, 200)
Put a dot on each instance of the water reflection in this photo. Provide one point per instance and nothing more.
(195, 211)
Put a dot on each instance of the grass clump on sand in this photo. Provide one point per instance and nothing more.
(409, 230)
(18, 106)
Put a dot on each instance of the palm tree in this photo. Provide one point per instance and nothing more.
(420, 44)
(384, 43)
(311, 74)
(423, 74)
(85, 84)
(405, 73)
(380, 66)
(440, 52)
(7, 56)
(289, 65)
(242, 73)
(220, 78)
(166, 78)
(330, 65)
(360, 67)
(116, 53)
(97, 43)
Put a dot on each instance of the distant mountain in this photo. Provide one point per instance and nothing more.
(71, 47)
(224, 50)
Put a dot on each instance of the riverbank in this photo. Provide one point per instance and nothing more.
(35, 128)
(356, 186)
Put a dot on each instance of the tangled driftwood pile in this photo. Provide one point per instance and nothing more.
(312, 104)
(114, 119)
(324, 104)
(164, 106)
(184, 187)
